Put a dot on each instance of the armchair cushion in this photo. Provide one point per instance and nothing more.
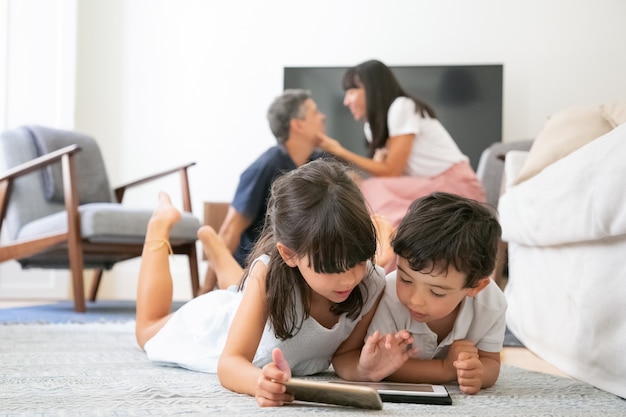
(110, 222)
(92, 182)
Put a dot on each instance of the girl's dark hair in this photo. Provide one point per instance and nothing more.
(381, 89)
(318, 212)
(444, 229)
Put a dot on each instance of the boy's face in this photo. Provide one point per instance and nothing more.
(431, 297)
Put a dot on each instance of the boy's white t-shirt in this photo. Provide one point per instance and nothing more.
(481, 319)
(433, 152)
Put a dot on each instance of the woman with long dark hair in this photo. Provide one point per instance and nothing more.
(411, 154)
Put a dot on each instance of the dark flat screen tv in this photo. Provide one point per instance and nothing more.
(466, 98)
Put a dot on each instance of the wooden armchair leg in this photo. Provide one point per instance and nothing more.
(74, 242)
(95, 284)
(76, 266)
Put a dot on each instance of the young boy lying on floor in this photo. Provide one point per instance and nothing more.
(443, 295)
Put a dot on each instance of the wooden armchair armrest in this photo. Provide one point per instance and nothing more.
(38, 163)
(120, 190)
(8, 176)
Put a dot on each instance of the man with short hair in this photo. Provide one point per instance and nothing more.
(295, 122)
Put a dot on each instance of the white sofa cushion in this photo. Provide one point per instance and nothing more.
(583, 194)
(566, 233)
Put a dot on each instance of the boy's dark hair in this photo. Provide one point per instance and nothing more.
(381, 89)
(443, 230)
(319, 212)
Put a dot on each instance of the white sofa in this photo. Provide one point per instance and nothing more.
(566, 234)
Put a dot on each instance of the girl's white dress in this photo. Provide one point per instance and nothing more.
(195, 335)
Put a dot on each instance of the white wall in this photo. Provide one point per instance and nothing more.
(180, 80)
(37, 85)
(160, 82)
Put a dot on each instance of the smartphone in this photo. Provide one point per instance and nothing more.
(340, 394)
(398, 392)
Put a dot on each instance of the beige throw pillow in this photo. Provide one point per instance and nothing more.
(568, 130)
(615, 113)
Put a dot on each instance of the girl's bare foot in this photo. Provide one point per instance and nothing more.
(165, 215)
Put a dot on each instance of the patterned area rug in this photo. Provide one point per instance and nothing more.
(96, 369)
(100, 311)
(106, 311)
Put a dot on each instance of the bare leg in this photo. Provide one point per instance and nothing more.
(228, 272)
(155, 289)
(210, 280)
(384, 232)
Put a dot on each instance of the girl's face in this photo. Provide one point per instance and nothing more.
(354, 99)
(334, 287)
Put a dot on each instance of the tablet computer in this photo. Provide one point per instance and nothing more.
(340, 394)
(396, 392)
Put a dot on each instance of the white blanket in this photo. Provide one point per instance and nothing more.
(566, 231)
(579, 198)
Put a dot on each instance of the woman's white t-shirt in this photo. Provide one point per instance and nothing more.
(433, 152)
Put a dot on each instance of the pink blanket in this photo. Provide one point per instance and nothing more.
(391, 196)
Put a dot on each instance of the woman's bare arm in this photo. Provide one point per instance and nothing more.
(398, 149)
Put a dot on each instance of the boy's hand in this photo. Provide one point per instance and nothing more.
(383, 355)
(464, 359)
(270, 390)
(469, 371)
(454, 351)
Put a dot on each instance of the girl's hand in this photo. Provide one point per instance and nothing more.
(383, 355)
(270, 390)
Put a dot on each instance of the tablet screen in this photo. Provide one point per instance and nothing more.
(388, 386)
(403, 388)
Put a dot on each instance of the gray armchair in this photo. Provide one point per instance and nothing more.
(60, 212)
(490, 171)
(491, 166)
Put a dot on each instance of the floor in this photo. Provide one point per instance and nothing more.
(520, 357)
